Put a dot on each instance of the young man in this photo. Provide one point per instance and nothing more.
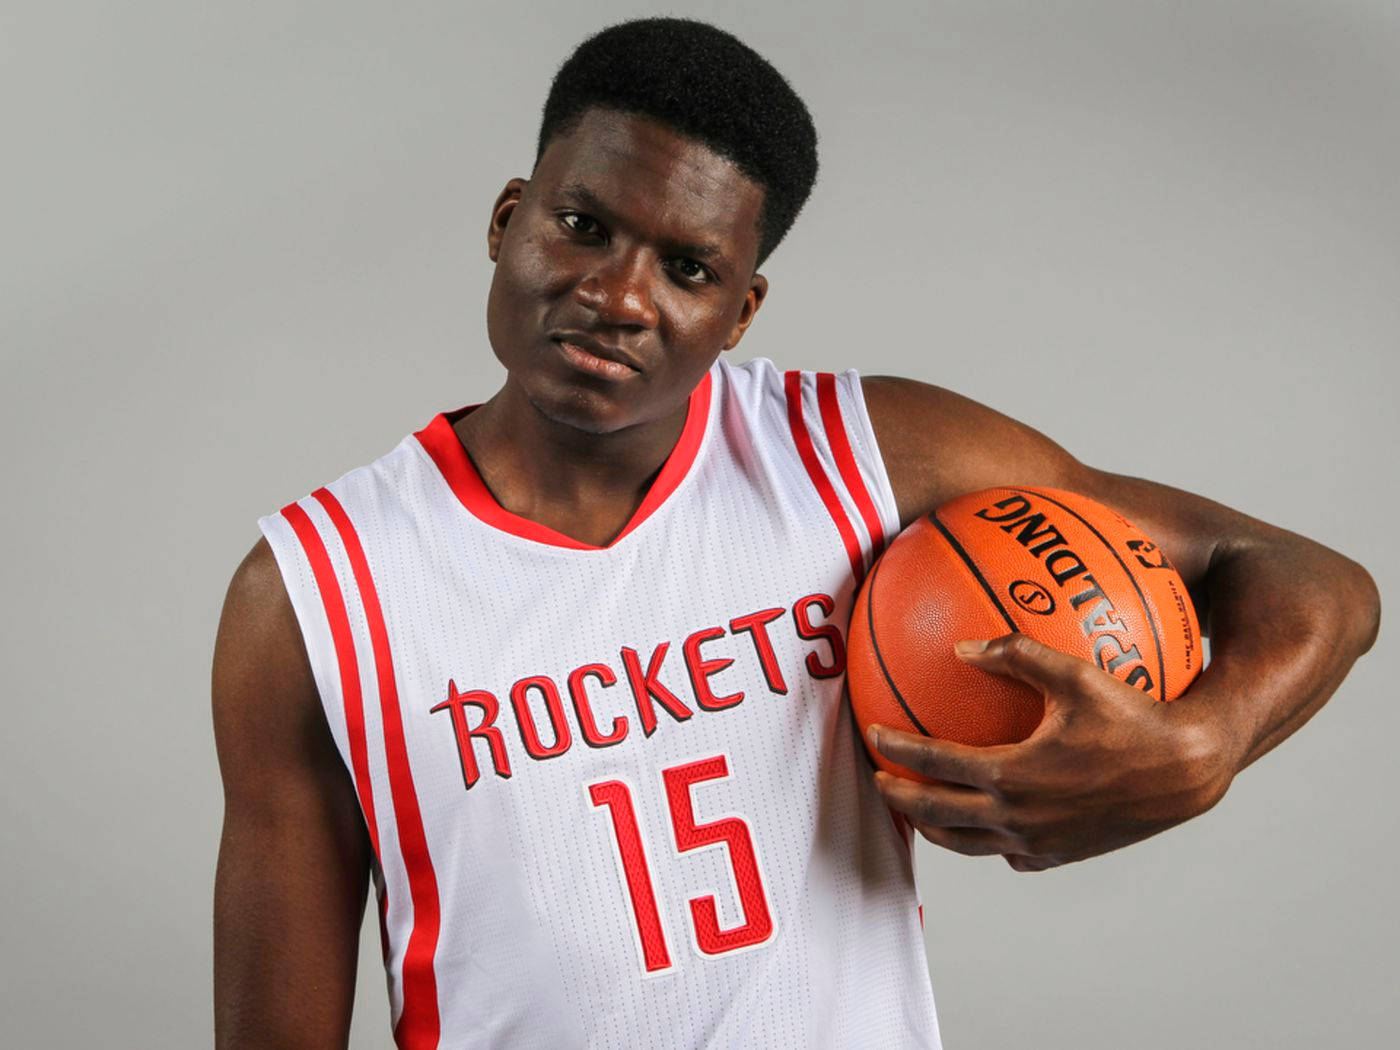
(562, 672)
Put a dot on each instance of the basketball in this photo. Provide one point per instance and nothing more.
(1053, 565)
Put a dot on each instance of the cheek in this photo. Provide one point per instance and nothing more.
(534, 260)
(703, 326)
(528, 277)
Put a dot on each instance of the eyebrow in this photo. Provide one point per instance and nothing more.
(577, 191)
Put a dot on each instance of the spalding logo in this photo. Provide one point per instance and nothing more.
(1032, 597)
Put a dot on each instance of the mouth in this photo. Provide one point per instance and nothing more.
(587, 355)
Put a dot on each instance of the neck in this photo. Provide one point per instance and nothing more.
(583, 484)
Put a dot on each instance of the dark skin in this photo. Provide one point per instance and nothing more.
(294, 858)
(1286, 618)
(593, 242)
(555, 445)
(599, 240)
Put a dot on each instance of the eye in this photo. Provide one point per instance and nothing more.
(692, 271)
(579, 222)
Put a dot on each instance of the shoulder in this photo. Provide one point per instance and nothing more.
(751, 376)
(937, 444)
(256, 582)
(393, 483)
(761, 381)
(260, 669)
(256, 605)
(897, 404)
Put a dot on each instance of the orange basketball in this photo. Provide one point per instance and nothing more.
(1053, 565)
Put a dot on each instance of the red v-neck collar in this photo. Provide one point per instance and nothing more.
(445, 449)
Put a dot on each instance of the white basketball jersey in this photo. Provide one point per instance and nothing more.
(615, 796)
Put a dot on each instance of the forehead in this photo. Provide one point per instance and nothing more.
(666, 183)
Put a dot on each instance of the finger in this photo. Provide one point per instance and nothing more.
(938, 805)
(978, 767)
(1021, 657)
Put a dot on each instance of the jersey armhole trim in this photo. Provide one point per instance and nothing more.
(347, 661)
(419, 1023)
(835, 427)
(806, 451)
(875, 462)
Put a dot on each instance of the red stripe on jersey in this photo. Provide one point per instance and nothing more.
(419, 1025)
(792, 385)
(677, 464)
(339, 620)
(445, 449)
(846, 461)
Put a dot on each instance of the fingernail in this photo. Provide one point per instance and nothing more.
(970, 646)
(873, 735)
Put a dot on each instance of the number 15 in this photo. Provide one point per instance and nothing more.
(731, 832)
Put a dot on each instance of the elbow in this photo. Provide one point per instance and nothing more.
(1367, 606)
(1348, 612)
(1355, 617)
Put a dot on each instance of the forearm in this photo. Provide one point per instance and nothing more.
(1287, 618)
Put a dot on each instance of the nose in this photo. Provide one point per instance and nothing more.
(618, 289)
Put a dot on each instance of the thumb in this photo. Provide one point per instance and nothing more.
(1026, 660)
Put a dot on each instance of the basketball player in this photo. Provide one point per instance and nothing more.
(561, 674)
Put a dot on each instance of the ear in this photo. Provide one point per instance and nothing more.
(500, 215)
(758, 289)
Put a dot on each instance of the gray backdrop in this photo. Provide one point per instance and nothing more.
(243, 252)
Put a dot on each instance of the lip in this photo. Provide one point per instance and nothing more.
(587, 346)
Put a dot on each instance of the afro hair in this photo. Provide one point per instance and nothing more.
(707, 85)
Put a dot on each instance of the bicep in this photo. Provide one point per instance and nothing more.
(938, 445)
(294, 855)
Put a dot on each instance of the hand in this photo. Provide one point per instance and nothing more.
(1106, 767)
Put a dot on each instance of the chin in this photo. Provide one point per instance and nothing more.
(578, 407)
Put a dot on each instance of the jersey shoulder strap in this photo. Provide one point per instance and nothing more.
(319, 542)
(822, 417)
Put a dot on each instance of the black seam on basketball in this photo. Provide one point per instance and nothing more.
(1147, 608)
(879, 657)
(972, 568)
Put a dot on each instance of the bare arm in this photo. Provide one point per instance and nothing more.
(1287, 617)
(294, 858)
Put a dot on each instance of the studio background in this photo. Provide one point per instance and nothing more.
(244, 252)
